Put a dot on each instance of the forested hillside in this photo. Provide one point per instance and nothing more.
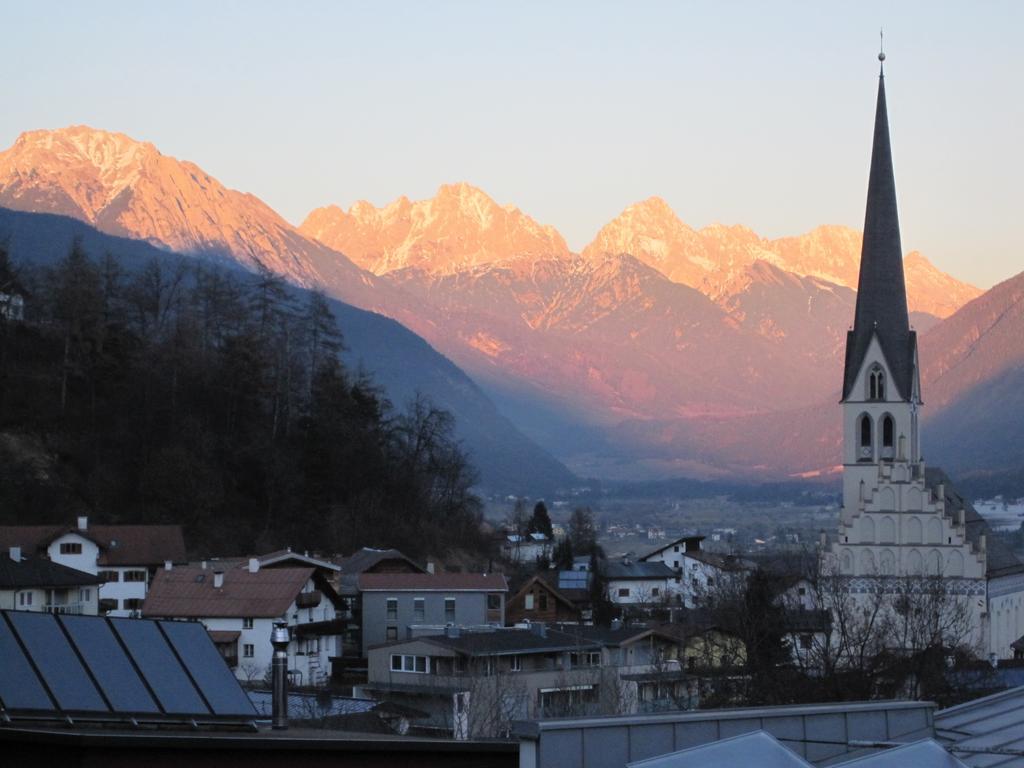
(182, 393)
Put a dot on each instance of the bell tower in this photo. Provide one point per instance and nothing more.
(881, 384)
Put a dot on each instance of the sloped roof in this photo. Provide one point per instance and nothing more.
(551, 588)
(992, 721)
(926, 753)
(366, 558)
(119, 544)
(40, 572)
(881, 293)
(288, 556)
(756, 748)
(620, 571)
(999, 559)
(680, 540)
(420, 582)
(556, 581)
(188, 592)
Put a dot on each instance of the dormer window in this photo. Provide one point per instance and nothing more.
(876, 383)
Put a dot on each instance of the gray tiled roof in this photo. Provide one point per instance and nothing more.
(39, 572)
(881, 293)
(619, 570)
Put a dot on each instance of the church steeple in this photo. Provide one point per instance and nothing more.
(881, 293)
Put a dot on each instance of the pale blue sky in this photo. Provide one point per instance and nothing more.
(755, 113)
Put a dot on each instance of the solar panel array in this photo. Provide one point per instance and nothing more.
(91, 667)
(573, 579)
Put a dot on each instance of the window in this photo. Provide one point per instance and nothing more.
(494, 602)
(623, 591)
(876, 384)
(654, 591)
(248, 650)
(806, 641)
(449, 610)
(419, 609)
(71, 548)
(84, 595)
(132, 604)
(247, 622)
(109, 576)
(515, 663)
(402, 663)
(865, 438)
(801, 591)
(134, 575)
(24, 599)
(392, 608)
(543, 601)
(529, 601)
(585, 659)
(888, 427)
(711, 582)
(676, 549)
(391, 634)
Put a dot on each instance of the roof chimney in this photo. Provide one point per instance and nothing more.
(83, 523)
(218, 579)
(16, 554)
(203, 565)
(168, 565)
(430, 566)
(254, 565)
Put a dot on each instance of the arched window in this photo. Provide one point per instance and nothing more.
(876, 383)
(865, 453)
(888, 439)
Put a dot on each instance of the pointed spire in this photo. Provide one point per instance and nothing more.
(881, 293)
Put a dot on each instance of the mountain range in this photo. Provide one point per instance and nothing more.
(659, 349)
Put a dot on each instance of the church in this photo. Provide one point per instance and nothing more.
(900, 519)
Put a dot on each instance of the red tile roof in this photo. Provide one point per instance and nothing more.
(189, 593)
(119, 544)
(447, 582)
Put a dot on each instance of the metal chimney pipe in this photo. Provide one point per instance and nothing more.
(279, 638)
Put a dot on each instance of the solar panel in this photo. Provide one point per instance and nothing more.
(109, 664)
(19, 686)
(207, 667)
(158, 664)
(573, 579)
(57, 662)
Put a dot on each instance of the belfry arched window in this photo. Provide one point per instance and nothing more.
(888, 437)
(876, 383)
(865, 452)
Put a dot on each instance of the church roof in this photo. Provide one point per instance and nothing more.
(1000, 560)
(881, 293)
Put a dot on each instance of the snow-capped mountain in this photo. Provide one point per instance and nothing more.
(459, 228)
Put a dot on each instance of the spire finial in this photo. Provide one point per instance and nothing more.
(881, 44)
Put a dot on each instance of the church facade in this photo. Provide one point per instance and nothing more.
(901, 520)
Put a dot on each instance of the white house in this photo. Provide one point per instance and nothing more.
(37, 584)
(526, 548)
(637, 583)
(124, 557)
(695, 572)
(239, 606)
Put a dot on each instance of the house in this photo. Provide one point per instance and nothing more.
(476, 683)
(239, 606)
(640, 584)
(12, 307)
(551, 597)
(526, 548)
(695, 571)
(125, 557)
(38, 584)
(395, 605)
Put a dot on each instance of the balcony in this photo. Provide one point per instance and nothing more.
(74, 609)
(309, 599)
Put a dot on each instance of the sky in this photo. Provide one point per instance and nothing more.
(736, 112)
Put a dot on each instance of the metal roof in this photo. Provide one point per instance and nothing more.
(756, 748)
(40, 573)
(992, 722)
